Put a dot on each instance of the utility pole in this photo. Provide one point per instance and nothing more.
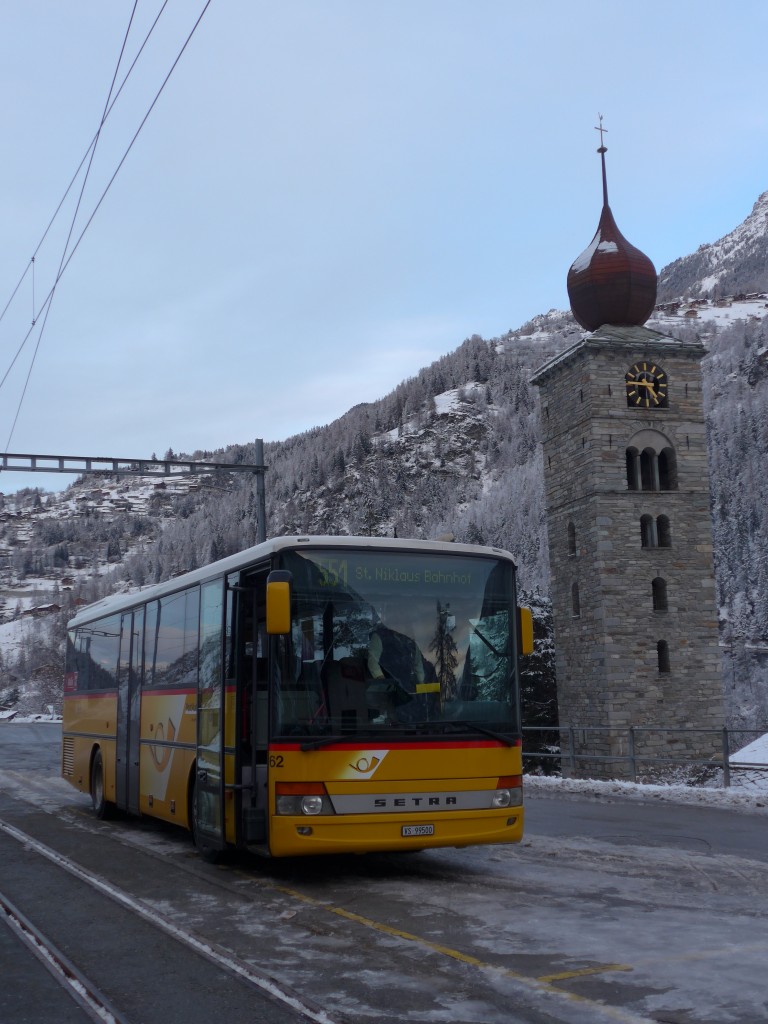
(261, 499)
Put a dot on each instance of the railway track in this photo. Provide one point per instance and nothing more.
(124, 989)
(303, 924)
(87, 996)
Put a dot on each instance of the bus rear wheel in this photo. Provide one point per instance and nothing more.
(102, 808)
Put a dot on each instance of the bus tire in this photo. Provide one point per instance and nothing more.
(102, 808)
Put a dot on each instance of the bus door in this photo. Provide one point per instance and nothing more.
(208, 824)
(253, 679)
(128, 712)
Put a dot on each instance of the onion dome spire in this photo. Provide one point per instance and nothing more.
(612, 282)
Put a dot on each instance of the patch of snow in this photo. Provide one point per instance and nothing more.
(582, 262)
(755, 752)
(733, 798)
(447, 402)
(451, 401)
(745, 309)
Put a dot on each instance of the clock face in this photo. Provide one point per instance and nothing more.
(646, 386)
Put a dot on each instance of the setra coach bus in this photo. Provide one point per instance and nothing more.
(308, 695)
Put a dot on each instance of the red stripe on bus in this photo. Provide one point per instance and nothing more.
(160, 691)
(400, 745)
(91, 695)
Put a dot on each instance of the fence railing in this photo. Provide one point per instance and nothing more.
(571, 747)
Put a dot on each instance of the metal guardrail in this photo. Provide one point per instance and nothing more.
(567, 752)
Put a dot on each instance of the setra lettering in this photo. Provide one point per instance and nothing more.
(383, 802)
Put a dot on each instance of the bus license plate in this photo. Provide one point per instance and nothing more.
(418, 830)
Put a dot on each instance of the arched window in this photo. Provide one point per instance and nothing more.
(575, 602)
(662, 652)
(649, 470)
(633, 469)
(651, 462)
(571, 539)
(647, 532)
(663, 532)
(659, 588)
(667, 470)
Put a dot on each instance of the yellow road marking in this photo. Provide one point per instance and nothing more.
(565, 975)
(542, 984)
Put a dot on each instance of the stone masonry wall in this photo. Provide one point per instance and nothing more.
(608, 667)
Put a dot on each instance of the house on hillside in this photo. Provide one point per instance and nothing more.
(40, 610)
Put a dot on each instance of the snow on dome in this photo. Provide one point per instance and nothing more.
(611, 282)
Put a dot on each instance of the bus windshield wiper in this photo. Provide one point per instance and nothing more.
(471, 727)
(322, 741)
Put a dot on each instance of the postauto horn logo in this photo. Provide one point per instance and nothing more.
(366, 763)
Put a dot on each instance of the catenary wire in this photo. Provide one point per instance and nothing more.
(47, 302)
(79, 168)
(92, 150)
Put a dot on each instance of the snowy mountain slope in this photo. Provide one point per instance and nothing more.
(735, 264)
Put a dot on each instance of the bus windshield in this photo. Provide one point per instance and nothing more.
(387, 643)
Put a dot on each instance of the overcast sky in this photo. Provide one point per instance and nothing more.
(329, 195)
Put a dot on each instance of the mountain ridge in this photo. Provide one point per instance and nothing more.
(734, 264)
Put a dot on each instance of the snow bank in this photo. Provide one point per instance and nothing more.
(745, 794)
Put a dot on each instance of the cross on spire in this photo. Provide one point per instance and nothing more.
(599, 128)
(602, 151)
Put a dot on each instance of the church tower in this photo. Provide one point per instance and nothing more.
(630, 535)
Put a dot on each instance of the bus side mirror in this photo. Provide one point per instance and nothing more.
(279, 602)
(525, 630)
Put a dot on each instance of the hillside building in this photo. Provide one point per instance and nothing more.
(630, 534)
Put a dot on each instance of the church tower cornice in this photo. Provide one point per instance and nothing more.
(635, 341)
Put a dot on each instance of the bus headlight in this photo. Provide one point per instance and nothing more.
(302, 798)
(509, 791)
(311, 804)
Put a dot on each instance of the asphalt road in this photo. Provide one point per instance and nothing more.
(697, 829)
(610, 910)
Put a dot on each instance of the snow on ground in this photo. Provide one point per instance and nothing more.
(451, 401)
(755, 752)
(11, 716)
(744, 794)
(12, 635)
(748, 790)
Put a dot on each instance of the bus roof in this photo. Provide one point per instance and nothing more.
(261, 553)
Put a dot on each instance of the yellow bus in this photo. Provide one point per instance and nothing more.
(308, 695)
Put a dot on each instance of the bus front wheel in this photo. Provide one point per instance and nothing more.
(102, 808)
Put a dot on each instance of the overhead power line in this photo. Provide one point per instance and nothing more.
(71, 227)
(66, 259)
(75, 176)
